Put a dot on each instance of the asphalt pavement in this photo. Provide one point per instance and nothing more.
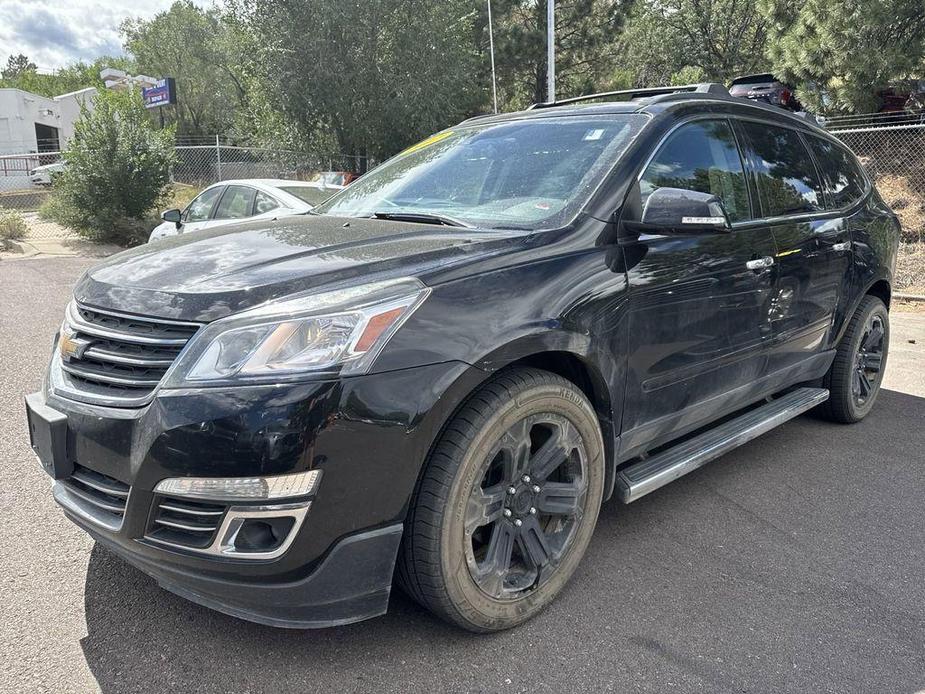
(794, 564)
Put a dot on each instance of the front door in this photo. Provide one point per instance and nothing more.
(698, 322)
(199, 212)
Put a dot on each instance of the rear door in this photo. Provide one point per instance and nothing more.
(812, 243)
(845, 185)
(698, 302)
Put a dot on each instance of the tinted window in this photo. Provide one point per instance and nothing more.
(701, 156)
(264, 203)
(237, 203)
(201, 206)
(787, 179)
(843, 180)
(520, 174)
(310, 194)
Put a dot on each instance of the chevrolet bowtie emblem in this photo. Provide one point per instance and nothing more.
(70, 346)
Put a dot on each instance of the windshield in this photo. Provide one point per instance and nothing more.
(527, 174)
(310, 194)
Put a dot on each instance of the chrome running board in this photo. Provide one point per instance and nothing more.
(638, 479)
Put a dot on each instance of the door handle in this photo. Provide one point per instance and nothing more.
(843, 246)
(760, 263)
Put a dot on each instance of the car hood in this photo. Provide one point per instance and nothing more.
(212, 273)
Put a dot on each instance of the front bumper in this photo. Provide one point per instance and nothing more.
(367, 435)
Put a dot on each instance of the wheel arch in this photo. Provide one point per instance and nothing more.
(561, 354)
(880, 288)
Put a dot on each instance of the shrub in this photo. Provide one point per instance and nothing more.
(118, 168)
(12, 228)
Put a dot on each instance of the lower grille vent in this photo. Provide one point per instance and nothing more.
(186, 523)
(104, 494)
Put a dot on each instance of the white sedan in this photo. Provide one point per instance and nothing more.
(228, 202)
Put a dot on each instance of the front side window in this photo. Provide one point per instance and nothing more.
(787, 178)
(843, 180)
(521, 174)
(236, 203)
(701, 156)
(200, 208)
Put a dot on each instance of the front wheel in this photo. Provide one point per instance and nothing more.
(856, 373)
(507, 504)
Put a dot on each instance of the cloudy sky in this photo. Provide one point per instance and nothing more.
(54, 33)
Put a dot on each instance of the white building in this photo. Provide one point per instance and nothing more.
(30, 123)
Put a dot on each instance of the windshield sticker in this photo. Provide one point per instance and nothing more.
(433, 139)
(595, 134)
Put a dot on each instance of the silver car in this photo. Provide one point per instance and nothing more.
(229, 202)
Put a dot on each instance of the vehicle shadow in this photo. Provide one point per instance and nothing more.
(794, 549)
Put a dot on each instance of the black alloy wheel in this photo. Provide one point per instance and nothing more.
(856, 374)
(523, 512)
(507, 503)
(868, 363)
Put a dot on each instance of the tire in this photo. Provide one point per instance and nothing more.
(477, 504)
(856, 373)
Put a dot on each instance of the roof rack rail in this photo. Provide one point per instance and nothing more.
(631, 94)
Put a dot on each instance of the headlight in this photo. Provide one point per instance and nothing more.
(336, 332)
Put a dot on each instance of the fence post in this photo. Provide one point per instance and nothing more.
(218, 157)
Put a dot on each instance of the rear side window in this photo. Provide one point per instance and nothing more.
(843, 179)
(701, 156)
(236, 203)
(264, 203)
(787, 178)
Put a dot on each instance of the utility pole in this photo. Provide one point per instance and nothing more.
(550, 50)
(491, 44)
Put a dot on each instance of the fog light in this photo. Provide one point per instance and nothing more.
(242, 488)
(262, 535)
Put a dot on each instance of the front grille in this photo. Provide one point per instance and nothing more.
(102, 494)
(118, 356)
(185, 522)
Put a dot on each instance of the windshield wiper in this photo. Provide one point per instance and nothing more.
(421, 218)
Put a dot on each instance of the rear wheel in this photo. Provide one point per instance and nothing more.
(507, 504)
(856, 374)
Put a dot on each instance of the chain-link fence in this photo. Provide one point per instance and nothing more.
(26, 180)
(202, 165)
(894, 156)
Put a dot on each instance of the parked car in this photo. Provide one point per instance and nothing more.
(446, 369)
(767, 88)
(903, 102)
(230, 202)
(44, 175)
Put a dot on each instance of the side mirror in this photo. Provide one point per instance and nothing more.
(678, 211)
(172, 216)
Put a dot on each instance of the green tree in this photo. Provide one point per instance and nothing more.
(194, 47)
(680, 41)
(117, 171)
(17, 65)
(79, 75)
(841, 51)
(377, 74)
(586, 47)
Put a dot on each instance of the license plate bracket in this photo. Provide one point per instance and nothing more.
(48, 436)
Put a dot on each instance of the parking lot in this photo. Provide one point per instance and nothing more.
(794, 564)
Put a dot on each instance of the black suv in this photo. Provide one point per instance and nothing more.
(446, 369)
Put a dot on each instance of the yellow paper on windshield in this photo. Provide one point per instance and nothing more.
(433, 139)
